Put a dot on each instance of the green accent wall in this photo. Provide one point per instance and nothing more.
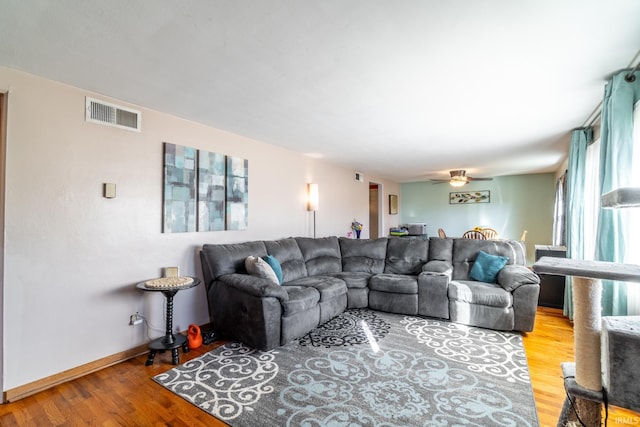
(518, 203)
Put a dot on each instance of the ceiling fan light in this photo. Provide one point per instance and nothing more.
(458, 181)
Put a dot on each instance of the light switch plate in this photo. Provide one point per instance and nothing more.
(109, 190)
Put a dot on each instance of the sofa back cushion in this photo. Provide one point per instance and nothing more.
(406, 255)
(465, 252)
(440, 249)
(218, 260)
(363, 255)
(287, 252)
(321, 255)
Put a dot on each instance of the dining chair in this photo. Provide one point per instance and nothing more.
(474, 234)
(489, 233)
(441, 233)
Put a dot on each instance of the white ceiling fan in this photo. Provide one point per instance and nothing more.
(459, 178)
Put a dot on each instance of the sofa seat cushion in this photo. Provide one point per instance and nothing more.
(327, 286)
(301, 298)
(481, 293)
(482, 316)
(354, 280)
(394, 283)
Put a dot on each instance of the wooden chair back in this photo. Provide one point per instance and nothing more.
(489, 233)
(474, 234)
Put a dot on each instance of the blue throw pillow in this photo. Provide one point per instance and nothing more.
(275, 265)
(487, 266)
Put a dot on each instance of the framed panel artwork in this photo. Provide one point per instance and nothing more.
(179, 201)
(237, 193)
(211, 191)
(469, 198)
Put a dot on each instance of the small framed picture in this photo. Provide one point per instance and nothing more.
(393, 204)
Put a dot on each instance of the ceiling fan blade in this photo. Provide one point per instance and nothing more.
(439, 181)
(479, 179)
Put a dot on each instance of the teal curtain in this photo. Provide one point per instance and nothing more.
(616, 153)
(559, 212)
(580, 139)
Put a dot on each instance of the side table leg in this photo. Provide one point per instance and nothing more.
(185, 347)
(174, 356)
(150, 358)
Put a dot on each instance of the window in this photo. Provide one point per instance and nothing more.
(632, 252)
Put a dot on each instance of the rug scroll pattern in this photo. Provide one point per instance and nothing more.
(366, 368)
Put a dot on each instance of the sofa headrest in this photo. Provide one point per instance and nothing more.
(321, 255)
(363, 255)
(287, 252)
(406, 255)
(218, 260)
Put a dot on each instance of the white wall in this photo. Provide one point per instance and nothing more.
(72, 257)
(518, 203)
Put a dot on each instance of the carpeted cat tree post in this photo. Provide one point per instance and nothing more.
(583, 380)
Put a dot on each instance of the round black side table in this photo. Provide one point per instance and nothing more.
(170, 341)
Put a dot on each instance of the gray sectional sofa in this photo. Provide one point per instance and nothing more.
(321, 277)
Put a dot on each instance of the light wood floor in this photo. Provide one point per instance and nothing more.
(125, 395)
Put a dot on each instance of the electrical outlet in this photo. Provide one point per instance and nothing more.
(135, 319)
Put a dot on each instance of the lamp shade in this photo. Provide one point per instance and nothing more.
(312, 190)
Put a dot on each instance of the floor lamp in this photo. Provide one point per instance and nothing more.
(312, 204)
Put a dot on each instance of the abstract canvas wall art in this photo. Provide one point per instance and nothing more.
(179, 189)
(204, 191)
(237, 193)
(211, 191)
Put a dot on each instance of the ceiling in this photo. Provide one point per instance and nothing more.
(402, 90)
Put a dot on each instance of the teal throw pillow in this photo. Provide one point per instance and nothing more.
(275, 265)
(487, 266)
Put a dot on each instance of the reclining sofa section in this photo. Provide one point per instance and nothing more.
(324, 276)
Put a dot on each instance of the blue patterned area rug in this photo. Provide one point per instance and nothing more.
(366, 368)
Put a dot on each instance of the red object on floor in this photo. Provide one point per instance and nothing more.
(194, 337)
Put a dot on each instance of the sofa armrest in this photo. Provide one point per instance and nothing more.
(525, 305)
(438, 268)
(512, 277)
(433, 300)
(254, 286)
(433, 285)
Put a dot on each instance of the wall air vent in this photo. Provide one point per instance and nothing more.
(104, 113)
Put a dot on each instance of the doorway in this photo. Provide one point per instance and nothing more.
(3, 144)
(375, 210)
